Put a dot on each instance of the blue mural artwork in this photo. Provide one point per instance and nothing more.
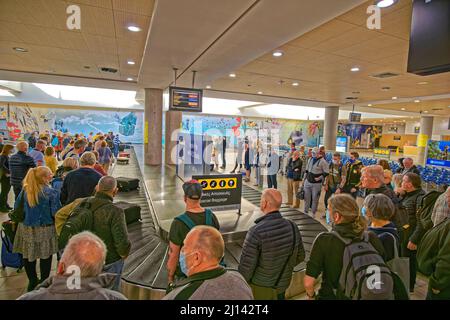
(21, 119)
(127, 124)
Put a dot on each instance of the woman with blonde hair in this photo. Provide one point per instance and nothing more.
(5, 177)
(36, 234)
(327, 252)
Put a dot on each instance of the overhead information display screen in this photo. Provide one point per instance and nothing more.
(185, 99)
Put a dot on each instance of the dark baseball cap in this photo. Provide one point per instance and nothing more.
(192, 189)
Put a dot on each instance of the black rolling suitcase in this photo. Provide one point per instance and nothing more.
(132, 211)
(127, 184)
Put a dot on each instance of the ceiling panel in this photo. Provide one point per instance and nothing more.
(40, 27)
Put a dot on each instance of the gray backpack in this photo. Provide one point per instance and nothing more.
(364, 275)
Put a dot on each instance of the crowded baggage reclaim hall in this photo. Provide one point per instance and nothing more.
(225, 150)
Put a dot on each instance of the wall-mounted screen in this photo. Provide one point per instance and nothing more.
(341, 144)
(185, 99)
(438, 153)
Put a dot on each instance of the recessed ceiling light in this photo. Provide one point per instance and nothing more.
(385, 3)
(19, 49)
(354, 69)
(369, 105)
(208, 87)
(232, 75)
(134, 28)
(425, 111)
(403, 109)
(131, 62)
(260, 92)
(422, 82)
(394, 98)
(130, 79)
(386, 88)
(277, 53)
(416, 101)
(295, 84)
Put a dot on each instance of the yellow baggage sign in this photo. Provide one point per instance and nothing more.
(218, 183)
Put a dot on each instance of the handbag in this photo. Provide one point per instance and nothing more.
(300, 193)
(399, 265)
(271, 293)
(18, 214)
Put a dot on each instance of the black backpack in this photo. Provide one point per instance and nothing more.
(80, 219)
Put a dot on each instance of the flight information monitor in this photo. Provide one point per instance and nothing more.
(185, 99)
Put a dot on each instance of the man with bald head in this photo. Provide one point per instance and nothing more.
(199, 259)
(86, 253)
(272, 248)
(109, 224)
(19, 164)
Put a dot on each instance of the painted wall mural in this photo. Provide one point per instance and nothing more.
(17, 120)
(361, 136)
(306, 133)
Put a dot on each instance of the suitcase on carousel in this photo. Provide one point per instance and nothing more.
(132, 211)
(127, 184)
(122, 160)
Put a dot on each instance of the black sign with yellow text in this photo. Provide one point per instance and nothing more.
(222, 192)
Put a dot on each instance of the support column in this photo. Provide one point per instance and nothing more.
(173, 124)
(426, 132)
(153, 126)
(330, 127)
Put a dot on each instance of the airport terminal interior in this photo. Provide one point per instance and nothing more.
(247, 116)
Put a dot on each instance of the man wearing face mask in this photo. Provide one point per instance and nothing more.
(352, 179)
(199, 259)
(316, 172)
(195, 215)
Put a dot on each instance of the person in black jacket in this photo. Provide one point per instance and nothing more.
(272, 248)
(409, 166)
(412, 185)
(327, 252)
(4, 177)
(379, 210)
(19, 164)
(294, 175)
(80, 183)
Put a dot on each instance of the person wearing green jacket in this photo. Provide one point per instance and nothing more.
(433, 257)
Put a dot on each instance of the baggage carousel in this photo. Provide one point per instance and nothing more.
(160, 197)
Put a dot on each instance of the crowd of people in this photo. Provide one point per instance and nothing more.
(397, 220)
(48, 194)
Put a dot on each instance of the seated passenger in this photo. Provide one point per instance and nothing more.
(194, 215)
(272, 248)
(80, 183)
(87, 252)
(379, 210)
(207, 280)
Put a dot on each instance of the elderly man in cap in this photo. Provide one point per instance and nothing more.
(193, 216)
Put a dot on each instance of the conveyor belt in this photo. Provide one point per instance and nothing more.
(145, 274)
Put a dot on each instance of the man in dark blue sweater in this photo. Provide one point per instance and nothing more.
(19, 164)
(80, 183)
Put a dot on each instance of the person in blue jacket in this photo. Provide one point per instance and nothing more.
(36, 234)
